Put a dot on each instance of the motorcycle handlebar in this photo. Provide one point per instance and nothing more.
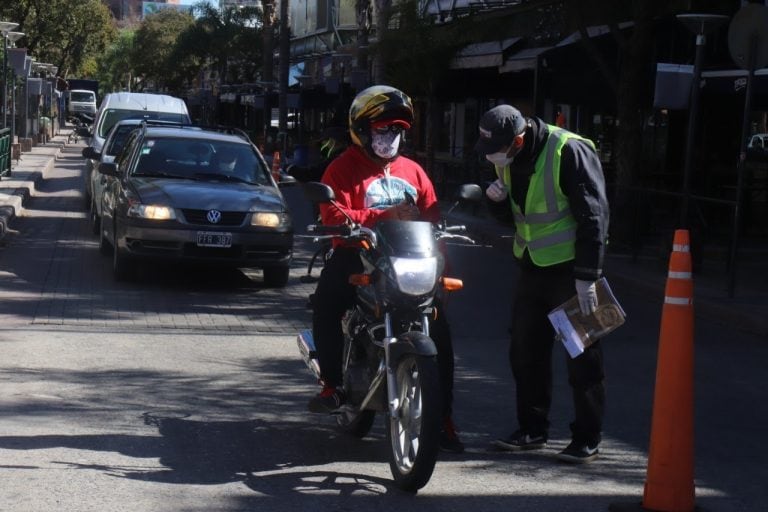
(341, 229)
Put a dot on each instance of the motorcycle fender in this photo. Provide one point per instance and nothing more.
(412, 343)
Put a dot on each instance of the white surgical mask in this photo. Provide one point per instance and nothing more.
(499, 159)
(385, 145)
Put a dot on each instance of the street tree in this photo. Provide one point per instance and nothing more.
(115, 72)
(66, 33)
(153, 47)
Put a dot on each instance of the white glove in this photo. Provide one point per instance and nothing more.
(496, 191)
(587, 294)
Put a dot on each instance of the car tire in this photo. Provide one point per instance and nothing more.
(93, 218)
(276, 277)
(104, 246)
(122, 266)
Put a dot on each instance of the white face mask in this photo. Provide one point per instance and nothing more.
(499, 159)
(385, 145)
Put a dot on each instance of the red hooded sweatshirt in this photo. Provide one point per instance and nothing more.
(365, 190)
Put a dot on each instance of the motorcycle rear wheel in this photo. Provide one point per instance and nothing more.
(414, 434)
(356, 424)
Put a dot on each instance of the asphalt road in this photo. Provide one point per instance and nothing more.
(183, 391)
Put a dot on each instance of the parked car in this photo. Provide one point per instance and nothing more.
(199, 195)
(757, 147)
(121, 105)
(113, 145)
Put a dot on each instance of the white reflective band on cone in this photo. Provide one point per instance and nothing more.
(678, 301)
(681, 248)
(679, 275)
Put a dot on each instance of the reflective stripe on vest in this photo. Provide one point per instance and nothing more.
(549, 232)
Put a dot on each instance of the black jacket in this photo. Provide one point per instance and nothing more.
(582, 181)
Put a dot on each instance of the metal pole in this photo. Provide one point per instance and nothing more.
(5, 80)
(741, 168)
(13, 105)
(693, 111)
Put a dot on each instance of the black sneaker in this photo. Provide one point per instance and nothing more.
(521, 440)
(449, 440)
(327, 401)
(578, 453)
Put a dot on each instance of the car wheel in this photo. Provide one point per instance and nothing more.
(93, 216)
(122, 266)
(276, 277)
(104, 246)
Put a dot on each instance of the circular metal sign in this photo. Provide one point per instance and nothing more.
(748, 25)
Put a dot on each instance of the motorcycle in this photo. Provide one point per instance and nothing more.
(389, 359)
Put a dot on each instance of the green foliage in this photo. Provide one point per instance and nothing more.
(418, 53)
(66, 33)
(114, 65)
(154, 45)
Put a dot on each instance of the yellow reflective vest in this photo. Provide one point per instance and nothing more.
(547, 228)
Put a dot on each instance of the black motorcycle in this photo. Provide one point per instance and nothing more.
(390, 363)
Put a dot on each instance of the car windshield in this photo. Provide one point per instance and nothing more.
(82, 96)
(209, 160)
(112, 116)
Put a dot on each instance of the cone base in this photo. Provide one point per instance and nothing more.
(637, 506)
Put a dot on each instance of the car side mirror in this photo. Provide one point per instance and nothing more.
(108, 168)
(89, 152)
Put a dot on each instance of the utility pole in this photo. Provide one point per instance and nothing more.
(285, 51)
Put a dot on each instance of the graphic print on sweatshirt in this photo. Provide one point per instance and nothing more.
(385, 192)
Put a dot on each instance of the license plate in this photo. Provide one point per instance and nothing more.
(214, 239)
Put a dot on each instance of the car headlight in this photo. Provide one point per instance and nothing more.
(415, 276)
(268, 219)
(151, 211)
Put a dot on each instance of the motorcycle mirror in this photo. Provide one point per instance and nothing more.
(318, 192)
(470, 192)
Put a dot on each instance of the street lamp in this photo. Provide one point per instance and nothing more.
(5, 28)
(13, 37)
(701, 25)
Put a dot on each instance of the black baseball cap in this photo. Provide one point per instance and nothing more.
(498, 127)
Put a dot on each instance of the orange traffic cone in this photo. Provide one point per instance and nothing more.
(276, 166)
(669, 479)
(669, 482)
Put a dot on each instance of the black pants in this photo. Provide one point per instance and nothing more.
(530, 356)
(334, 295)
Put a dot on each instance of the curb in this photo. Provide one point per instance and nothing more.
(14, 202)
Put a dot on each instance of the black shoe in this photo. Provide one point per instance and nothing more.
(449, 440)
(521, 440)
(578, 453)
(327, 401)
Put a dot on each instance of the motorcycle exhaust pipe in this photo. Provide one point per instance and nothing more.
(308, 351)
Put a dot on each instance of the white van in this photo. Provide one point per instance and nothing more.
(130, 105)
(81, 101)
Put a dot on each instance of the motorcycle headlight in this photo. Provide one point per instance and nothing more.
(151, 211)
(415, 276)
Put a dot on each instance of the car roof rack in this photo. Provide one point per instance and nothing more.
(229, 130)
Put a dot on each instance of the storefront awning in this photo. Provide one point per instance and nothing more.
(524, 59)
(482, 55)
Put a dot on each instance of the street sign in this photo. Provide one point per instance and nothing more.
(749, 27)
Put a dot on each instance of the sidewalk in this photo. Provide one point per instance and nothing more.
(747, 311)
(32, 167)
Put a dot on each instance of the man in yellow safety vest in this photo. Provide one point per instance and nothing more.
(554, 184)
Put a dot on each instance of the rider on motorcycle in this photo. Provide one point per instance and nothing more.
(372, 182)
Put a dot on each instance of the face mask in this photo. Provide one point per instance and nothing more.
(499, 159)
(385, 145)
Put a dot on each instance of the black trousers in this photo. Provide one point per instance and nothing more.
(539, 291)
(334, 295)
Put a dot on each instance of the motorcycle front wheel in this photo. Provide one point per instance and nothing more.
(415, 430)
